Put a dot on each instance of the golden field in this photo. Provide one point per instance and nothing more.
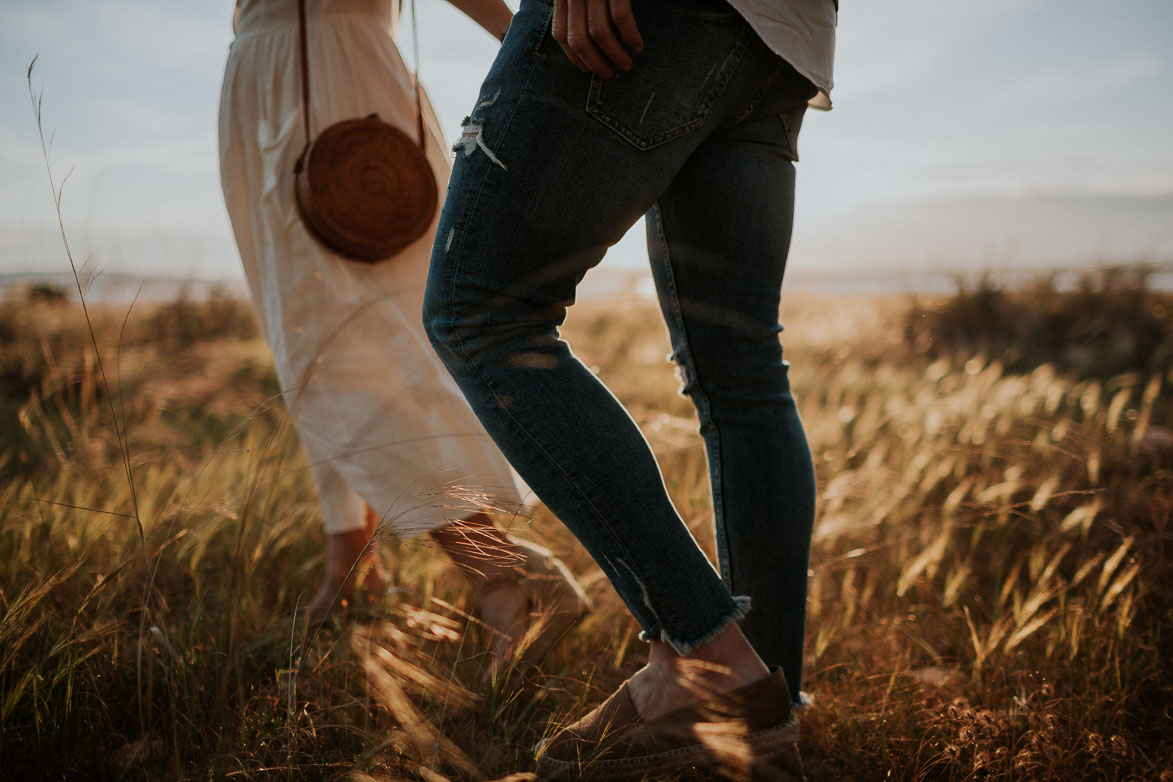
(990, 584)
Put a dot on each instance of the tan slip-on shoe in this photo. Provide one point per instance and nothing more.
(748, 734)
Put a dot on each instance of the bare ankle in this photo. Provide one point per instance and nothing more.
(479, 548)
(351, 559)
(671, 680)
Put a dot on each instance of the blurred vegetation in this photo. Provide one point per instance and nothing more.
(990, 570)
(186, 321)
(194, 361)
(1104, 323)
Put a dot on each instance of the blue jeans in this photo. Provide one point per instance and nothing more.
(552, 168)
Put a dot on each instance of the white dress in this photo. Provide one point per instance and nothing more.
(378, 416)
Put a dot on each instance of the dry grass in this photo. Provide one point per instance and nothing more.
(989, 593)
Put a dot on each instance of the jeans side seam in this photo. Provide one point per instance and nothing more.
(601, 518)
(701, 400)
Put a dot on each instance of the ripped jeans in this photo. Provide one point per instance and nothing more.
(552, 168)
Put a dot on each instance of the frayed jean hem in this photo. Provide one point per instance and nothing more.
(741, 606)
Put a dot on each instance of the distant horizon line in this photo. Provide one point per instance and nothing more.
(105, 286)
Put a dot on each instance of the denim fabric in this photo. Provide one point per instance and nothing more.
(552, 167)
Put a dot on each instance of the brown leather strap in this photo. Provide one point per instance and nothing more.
(305, 74)
(305, 70)
(419, 104)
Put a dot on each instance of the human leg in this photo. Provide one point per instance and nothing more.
(479, 548)
(352, 568)
(527, 597)
(718, 239)
(539, 190)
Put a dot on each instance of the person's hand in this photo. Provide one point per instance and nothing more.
(585, 29)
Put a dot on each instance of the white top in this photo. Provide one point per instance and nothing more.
(802, 32)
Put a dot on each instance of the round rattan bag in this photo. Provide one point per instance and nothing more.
(365, 189)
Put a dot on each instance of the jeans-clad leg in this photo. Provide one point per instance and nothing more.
(718, 255)
(553, 166)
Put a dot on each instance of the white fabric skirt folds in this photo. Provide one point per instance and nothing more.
(378, 416)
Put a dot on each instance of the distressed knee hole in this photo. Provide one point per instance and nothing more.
(684, 377)
(472, 133)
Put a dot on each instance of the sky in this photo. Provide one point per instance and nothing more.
(966, 135)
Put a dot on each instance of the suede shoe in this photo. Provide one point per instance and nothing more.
(748, 734)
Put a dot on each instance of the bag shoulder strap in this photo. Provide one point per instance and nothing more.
(305, 74)
(419, 103)
(305, 70)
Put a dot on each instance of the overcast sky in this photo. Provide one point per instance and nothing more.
(995, 132)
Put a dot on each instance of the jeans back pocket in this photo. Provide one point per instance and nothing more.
(687, 59)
